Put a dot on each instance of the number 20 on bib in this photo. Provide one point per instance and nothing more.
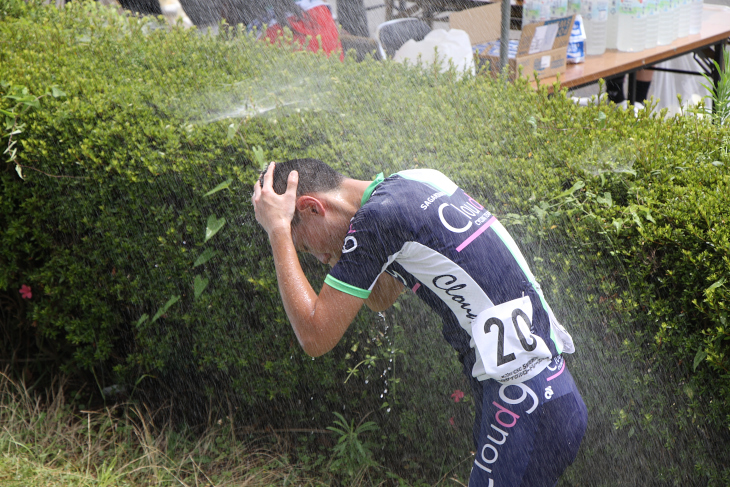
(510, 352)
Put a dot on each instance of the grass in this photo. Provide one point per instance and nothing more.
(47, 442)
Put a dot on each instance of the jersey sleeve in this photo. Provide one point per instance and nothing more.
(364, 257)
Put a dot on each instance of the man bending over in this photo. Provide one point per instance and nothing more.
(418, 229)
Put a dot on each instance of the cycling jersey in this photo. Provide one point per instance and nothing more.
(421, 228)
(418, 226)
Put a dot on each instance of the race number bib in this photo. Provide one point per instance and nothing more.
(510, 351)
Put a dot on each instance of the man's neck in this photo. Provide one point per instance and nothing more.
(351, 193)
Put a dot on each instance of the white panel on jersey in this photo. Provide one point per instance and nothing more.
(452, 284)
(431, 177)
(447, 280)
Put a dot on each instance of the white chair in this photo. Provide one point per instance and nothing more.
(391, 35)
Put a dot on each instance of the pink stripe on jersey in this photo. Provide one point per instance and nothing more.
(475, 234)
(559, 372)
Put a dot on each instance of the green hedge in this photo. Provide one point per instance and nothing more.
(613, 211)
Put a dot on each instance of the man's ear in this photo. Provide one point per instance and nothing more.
(309, 205)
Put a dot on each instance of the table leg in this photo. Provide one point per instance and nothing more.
(718, 55)
(632, 88)
(504, 36)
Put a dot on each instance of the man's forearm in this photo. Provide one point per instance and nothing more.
(319, 321)
(297, 294)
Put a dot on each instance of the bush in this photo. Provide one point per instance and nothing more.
(112, 218)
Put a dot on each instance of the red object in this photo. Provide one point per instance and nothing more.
(457, 395)
(317, 24)
(25, 292)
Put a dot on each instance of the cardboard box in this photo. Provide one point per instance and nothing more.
(541, 48)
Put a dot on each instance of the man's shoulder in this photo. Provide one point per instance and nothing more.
(430, 177)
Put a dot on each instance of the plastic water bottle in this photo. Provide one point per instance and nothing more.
(683, 15)
(559, 9)
(612, 24)
(546, 7)
(675, 20)
(631, 33)
(695, 17)
(530, 11)
(595, 16)
(666, 35)
(573, 7)
(652, 23)
(535, 11)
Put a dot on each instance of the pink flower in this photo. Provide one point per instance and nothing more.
(457, 395)
(25, 292)
(451, 422)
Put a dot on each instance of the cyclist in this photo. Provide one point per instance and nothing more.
(417, 229)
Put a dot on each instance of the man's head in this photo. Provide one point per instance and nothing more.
(318, 225)
(314, 176)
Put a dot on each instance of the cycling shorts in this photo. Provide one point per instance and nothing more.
(530, 432)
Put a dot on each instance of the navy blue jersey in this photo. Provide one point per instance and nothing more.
(421, 228)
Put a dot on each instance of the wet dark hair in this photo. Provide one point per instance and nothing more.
(314, 177)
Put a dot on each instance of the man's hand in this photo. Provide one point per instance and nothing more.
(273, 211)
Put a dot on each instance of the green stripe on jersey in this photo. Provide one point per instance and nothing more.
(346, 288)
(520, 259)
(369, 190)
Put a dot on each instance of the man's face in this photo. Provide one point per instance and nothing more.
(321, 237)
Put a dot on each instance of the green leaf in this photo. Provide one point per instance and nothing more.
(618, 223)
(142, 319)
(56, 92)
(699, 357)
(199, 285)
(31, 102)
(625, 170)
(578, 185)
(605, 200)
(19, 170)
(164, 309)
(232, 129)
(221, 186)
(715, 285)
(204, 257)
(213, 226)
(258, 154)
